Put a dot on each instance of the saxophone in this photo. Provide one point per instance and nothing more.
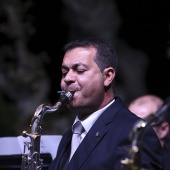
(135, 137)
(32, 160)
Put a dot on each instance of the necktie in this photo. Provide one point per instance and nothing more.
(76, 138)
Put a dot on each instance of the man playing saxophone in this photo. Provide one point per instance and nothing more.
(103, 123)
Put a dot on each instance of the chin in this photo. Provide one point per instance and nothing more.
(74, 106)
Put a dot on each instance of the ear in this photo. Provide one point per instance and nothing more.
(164, 130)
(109, 75)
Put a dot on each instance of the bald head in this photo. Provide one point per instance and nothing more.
(144, 106)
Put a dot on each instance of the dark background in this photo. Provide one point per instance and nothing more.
(144, 27)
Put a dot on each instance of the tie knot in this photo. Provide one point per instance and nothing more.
(78, 128)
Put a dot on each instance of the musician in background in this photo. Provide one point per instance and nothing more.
(146, 105)
(102, 122)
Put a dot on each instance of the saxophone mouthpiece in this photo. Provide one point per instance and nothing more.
(65, 97)
(63, 100)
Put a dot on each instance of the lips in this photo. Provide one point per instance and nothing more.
(72, 90)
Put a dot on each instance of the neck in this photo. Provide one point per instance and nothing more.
(86, 112)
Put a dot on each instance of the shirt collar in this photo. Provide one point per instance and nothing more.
(91, 119)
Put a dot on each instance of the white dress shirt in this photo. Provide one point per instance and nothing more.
(91, 119)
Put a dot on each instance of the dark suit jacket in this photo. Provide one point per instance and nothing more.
(167, 157)
(104, 145)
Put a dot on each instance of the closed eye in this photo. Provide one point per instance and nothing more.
(64, 72)
(80, 71)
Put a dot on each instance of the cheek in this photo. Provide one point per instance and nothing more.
(156, 130)
(93, 83)
(62, 84)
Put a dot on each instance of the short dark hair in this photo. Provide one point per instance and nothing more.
(105, 56)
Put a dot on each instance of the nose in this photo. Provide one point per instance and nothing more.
(69, 77)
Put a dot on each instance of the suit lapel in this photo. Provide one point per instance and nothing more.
(63, 148)
(94, 137)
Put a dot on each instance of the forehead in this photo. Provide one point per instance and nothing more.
(143, 107)
(79, 54)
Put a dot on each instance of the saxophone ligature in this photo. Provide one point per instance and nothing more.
(135, 136)
(32, 160)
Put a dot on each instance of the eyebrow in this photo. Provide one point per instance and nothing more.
(73, 66)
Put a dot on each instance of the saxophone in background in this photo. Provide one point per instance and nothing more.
(135, 136)
(32, 160)
(134, 163)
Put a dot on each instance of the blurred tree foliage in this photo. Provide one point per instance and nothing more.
(23, 80)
